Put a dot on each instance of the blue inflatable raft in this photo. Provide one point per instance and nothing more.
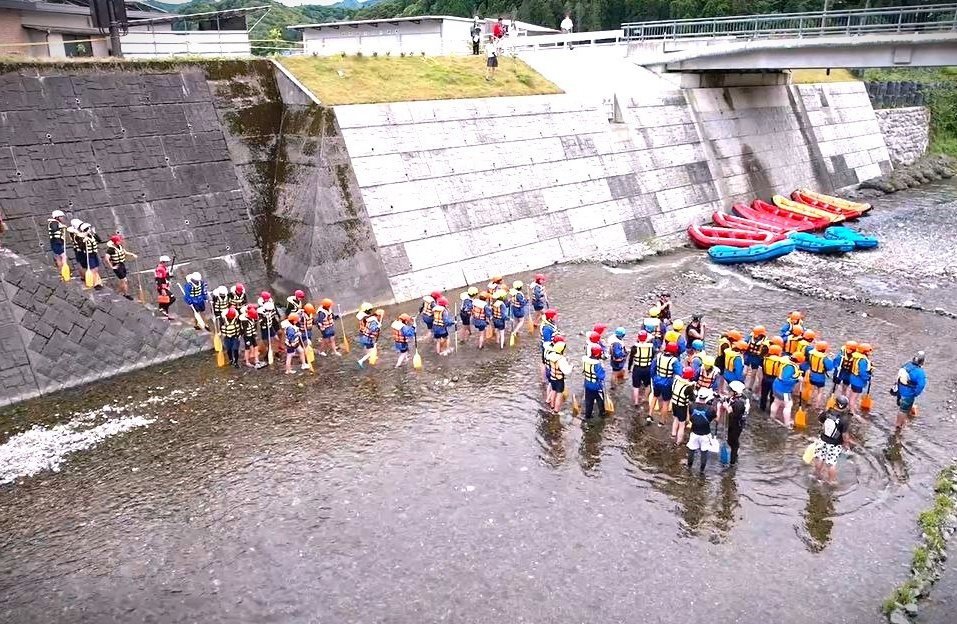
(861, 241)
(817, 244)
(724, 254)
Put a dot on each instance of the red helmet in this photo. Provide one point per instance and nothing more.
(540, 278)
(299, 294)
(596, 351)
(593, 336)
(443, 301)
(558, 338)
(251, 311)
(435, 295)
(671, 347)
(550, 313)
(688, 373)
(600, 328)
(116, 239)
(231, 313)
(642, 335)
(240, 288)
(265, 296)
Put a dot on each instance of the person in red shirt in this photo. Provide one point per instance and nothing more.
(164, 295)
(498, 30)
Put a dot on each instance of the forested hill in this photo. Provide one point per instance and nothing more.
(587, 14)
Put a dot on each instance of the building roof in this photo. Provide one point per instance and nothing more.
(415, 19)
(77, 7)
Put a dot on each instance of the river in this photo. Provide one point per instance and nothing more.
(186, 493)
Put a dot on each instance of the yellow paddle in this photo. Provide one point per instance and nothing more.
(374, 356)
(576, 409)
(220, 359)
(531, 327)
(800, 418)
(511, 340)
(88, 279)
(345, 338)
(65, 271)
(806, 387)
(609, 404)
(416, 359)
(310, 354)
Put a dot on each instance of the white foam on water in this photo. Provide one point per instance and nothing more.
(43, 448)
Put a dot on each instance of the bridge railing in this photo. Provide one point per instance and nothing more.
(903, 20)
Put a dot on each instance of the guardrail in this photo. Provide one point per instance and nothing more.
(194, 42)
(544, 42)
(903, 20)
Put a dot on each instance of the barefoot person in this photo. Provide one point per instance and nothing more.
(911, 382)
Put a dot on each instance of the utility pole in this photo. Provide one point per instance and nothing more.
(115, 47)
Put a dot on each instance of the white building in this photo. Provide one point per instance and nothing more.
(435, 35)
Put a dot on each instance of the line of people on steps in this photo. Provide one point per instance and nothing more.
(85, 243)
(671, 371)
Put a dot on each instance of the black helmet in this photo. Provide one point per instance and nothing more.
(841, 402)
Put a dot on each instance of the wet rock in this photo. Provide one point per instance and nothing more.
(911, 608)
(927, 169)
(897, 617)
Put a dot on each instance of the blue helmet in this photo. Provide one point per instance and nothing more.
(620, 332)
(697, 345)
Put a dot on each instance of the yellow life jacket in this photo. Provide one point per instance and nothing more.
(730, 355)
(678, 398)
(856, 360)
(794, 367)
(665, 366)
(644, 353)
(554, 366)
(588, 369)
(793, 344)
(772, 365)
(816, 362)
(438, 316)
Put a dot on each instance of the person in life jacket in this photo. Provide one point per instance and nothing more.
(164, 291)
(861, 372)
(593, 375)
(369, 326)
(546, 332)
(550, 348)
(481, 314)
(116, 258)
(518, 303)
(500, 316)
(220, 302)
(795, 319)
(294, 302)
(664, 308)
(539, 298)
(599, 329)
(465, 311)
(326, 322)
(681, 340)
(558, 369)
(695, 356)
(754, 356)
(911, 381)
(695, 329)
(818, 366)
(307, 320)
(441, 321)
(76, 242)
(652, 325)
(232, 329)
(663, 370)
(708, 375)
(682, 394)
(292, 342)
(91, 253)
(640, 357)
(249, 324)
(842, 368)
(195, 294)
(835, 439)
(771, 369)
(237, 296)
(618, 357)
(734, 362)
(425, 310)
(807, 342)
(57, 232)
(783, 387)
(725, 341)
(403, 330)
(269, 327)
(795, 341)
(496, 283)
(701, 414)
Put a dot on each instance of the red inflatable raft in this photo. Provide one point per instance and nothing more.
(705, 236)
(731, 221)
(769, 213)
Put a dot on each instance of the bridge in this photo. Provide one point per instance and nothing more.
(918, 36)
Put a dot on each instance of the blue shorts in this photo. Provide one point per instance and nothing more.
(266, 333)
(538, 307)
(292, 349)
(440, 332)
(402, 347)
(619, 366)
(81, 259)
(93, 262)
(518, 314)
(498, 323)
(558, 385)
(817, 383)
(906, 403)
(199, 307)
(56, 246)
(663, 391)
(329, 332)
(365, 342)
(480, 325)
(844, 378)
(752, 361)
(857, 389)
(428, 321)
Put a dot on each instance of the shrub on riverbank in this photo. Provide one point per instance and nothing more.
(942, 101)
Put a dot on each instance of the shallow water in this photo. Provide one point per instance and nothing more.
(451, 494)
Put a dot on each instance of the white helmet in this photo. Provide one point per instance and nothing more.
(285, 324)
(737, 387)
(705, 395)
(165, 259)
(57, 214)
(221, 291)
(269, 305)
(194, 277)
(86, 227)
(75, 223)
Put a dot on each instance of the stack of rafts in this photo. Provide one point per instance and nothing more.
(764, 231)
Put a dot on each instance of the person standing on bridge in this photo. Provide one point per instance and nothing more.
(567, 27)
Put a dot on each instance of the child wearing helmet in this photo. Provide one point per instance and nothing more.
(481, 314)
(664, 368)
(249, 326)
(237, 296)
(425, 310)
(539, 298)
(500, 315)
(770, 369)
(617, 355)
(326, 323)
(370, 325)
(403, 330)
(292, 342)
(861, 371)
(682, 395)
(517, 303)
(639, 363)
(441, 321)
(784, 386)
(558, 369)
(294, 302)
(465, 312)
(754, 355)
(57, 231)
(269, 326)
(230, 327)
(593, 374)
(795, 319)
(818, 366)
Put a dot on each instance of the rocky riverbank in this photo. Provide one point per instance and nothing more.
(928, 169)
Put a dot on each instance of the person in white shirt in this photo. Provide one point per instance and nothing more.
(567, 27)
(491, 62)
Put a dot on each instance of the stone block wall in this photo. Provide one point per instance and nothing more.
(55, 335)
(906, 132)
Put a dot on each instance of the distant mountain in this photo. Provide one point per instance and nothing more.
(169, 7)
(354, 4)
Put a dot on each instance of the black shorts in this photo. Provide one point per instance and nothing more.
(640, 377)
(558, 385)
(492, 61)
(250, 341)
(120, 270)
(680, 412)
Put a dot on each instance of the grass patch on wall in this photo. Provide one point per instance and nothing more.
(365, 80)
(941, 99)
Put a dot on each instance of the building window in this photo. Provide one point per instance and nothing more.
(77, 45)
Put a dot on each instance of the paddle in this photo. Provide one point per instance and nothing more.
(269, 356)
(576, 409)
(866, 401)
(831, 400)
(609, 404)
(800, 418)
(342, 323)
(88, 276)
(806, 388)
(307, 350)
(199, 319)
(416, 359)
(65, 271)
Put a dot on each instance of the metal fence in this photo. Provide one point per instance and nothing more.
(899, 20)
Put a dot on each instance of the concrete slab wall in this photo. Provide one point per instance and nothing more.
(457, 191)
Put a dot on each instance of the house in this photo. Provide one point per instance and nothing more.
(434, 35)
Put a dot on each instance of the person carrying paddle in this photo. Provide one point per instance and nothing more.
(465, 312)
(369, 327)
(518, 302)
(292, 343)
(248, 323)
(593, 374)
(91, 247)
(403, 330)
(539, 299)
(164, 292)
(326, 323)
(269, 326)
(441, 321)
(195, 294)
(558, 369)
(57, 232)
(639, 363)
(784, 386)
(77, 243)
(116, 258)
(231, 329)
(834, 440)
(481, 313)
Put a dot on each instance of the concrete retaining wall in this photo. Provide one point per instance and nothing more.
(906, 132)
(460, 190)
